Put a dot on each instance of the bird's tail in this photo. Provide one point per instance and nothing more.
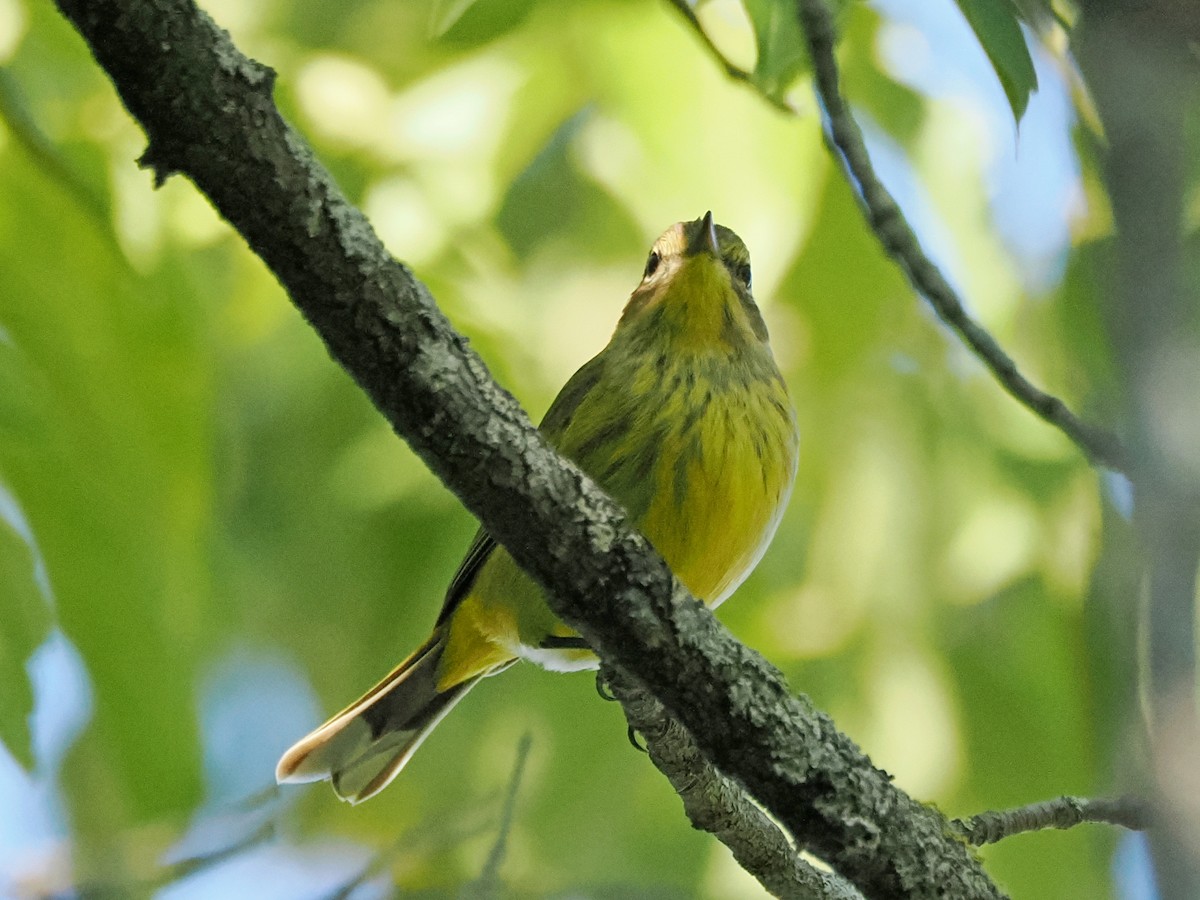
(362, 748)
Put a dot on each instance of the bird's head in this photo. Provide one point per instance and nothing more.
(697, 285)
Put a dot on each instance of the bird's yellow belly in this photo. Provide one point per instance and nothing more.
(718, 498)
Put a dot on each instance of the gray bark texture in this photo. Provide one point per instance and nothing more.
(208, 113)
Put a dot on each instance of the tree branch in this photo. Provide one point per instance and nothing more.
(207, 112)
(719, 806)
(886, 220)
(737, 73)
(1062, 812)
(1100, 446)
(488, 884)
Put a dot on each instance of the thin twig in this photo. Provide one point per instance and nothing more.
(719, 806)
(185, 868)
(1101, 446)
(171, 873)
(488, 883)
(737, 73)
(900, 242)
(435, 836)
(1064, 812)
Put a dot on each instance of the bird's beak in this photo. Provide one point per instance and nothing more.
(705, 239)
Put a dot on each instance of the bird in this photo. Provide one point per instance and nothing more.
(685, 420)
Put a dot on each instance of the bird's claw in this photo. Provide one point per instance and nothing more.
(633, 739)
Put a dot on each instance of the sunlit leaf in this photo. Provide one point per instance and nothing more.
(894, 106)
(781, 50)
(553, 198)
(444, 13)
(996, 26)
(107, 453)
(477, 21)
(24, 625)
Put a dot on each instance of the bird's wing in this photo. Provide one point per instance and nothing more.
(554, 426)
(477, 554)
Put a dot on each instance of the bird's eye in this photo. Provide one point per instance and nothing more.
(742, 273)
(652, 264)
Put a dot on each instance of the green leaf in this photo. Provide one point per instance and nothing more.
(894, 106)
(23, 626)
(473, 23)
(445, 13)
(995, 24)
(103, 438)
(580, 206)
(782, 54)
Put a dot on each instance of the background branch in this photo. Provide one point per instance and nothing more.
(888, 223)
(488, 884)
(1140, 61)
(208, 112)
(1062, 812)
(719, 806)
(900, 242)
(737, 73)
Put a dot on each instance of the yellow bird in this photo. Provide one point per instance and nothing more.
(685, 420)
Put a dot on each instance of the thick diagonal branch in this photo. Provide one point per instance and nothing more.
(207, 111)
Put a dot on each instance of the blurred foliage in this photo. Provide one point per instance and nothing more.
(209, 511)
(995, 24)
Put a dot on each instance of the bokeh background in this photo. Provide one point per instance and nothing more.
(209, 540)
